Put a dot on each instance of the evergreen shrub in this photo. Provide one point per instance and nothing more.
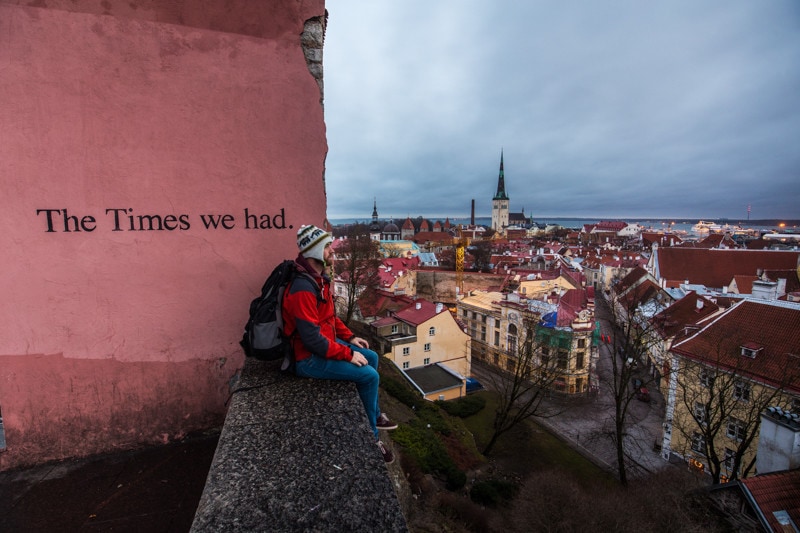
(463, 407)
(492, 492)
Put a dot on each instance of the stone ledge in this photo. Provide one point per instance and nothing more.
(296, 455)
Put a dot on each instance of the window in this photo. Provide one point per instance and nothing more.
(741, 391)
(701, 413)
(426, 361)
(735, 429)
(464, 313)
(483, 333)
(394, 328)
(497, 322)
(406, 350)
(699, 443)
(405, 365)
(581, 343)
(427, 347)
(706, 379)
(511, 339)
(497, 338)
(730, 459)
(579, 361)
(563, 360)
(431, 331)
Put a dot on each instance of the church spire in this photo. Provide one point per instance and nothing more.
(501, 183)
(374, 209)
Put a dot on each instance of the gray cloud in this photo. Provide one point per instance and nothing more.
(612, 109)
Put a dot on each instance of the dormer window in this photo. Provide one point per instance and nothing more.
(751, 349)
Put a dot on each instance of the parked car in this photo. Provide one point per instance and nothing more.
(473, 385)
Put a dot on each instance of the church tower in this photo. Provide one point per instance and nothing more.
(500, 202)
(375, 225)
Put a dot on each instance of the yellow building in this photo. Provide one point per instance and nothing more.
(741, 363)
(562, 331)
(425, 334)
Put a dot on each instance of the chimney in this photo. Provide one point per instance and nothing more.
(472, 214)
(439, 307)
(778, 441)
(418, 306)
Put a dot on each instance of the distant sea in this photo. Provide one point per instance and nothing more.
(679, 224)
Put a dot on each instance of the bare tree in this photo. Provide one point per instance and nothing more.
(357, 266)
(523, 377)
(721, 398)
(628, 345)
(482, 254)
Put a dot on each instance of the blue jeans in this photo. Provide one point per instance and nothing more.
(366, 377)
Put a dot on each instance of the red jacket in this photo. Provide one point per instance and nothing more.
(310, 316)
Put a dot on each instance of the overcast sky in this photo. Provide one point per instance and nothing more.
(612, 109)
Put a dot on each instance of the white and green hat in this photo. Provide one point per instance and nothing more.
(312, 240)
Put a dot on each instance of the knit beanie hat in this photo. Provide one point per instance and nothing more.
(312, 240)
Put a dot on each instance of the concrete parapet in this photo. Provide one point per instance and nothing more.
(296, 455)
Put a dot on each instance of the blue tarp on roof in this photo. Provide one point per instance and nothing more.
(549, 320)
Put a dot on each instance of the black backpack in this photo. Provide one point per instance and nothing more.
(264, 337)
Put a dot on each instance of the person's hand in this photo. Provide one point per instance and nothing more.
(358, 359)
(358, 341)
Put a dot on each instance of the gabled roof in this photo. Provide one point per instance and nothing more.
(744, 284)
(633, 277)
(418, 312)
(688, 311)
(774, 492)
(379, 303)
(774, 325)
(433, 236)
(716, 268)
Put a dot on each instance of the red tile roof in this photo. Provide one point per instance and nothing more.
(778, 491)
(773, 325)
(716, 268)
(688, 311)
(419, 312)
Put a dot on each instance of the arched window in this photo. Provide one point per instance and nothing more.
(512, 339)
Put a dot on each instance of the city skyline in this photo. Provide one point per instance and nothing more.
(625, 110)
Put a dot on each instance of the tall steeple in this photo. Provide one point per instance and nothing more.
(500, 202)
(501, 182)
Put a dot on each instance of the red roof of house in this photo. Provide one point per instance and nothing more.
(661, 239)
(744, 284)
(432, 236)
(378, 303)
(772, 325)
(688, 311)
(418, 312)
(630, 280)
(610, 225)
(778, 491)
(716, 268)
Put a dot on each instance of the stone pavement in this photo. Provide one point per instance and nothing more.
(150, 490)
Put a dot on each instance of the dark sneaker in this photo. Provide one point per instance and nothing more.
(388, 456)
(384, 423)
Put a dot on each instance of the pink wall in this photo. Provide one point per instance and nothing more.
(114, 334)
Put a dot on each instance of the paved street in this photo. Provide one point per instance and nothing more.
(588, 424)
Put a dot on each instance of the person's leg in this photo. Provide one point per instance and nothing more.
(365, 377)
(372, 359)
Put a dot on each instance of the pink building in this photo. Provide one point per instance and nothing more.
(152, 154)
